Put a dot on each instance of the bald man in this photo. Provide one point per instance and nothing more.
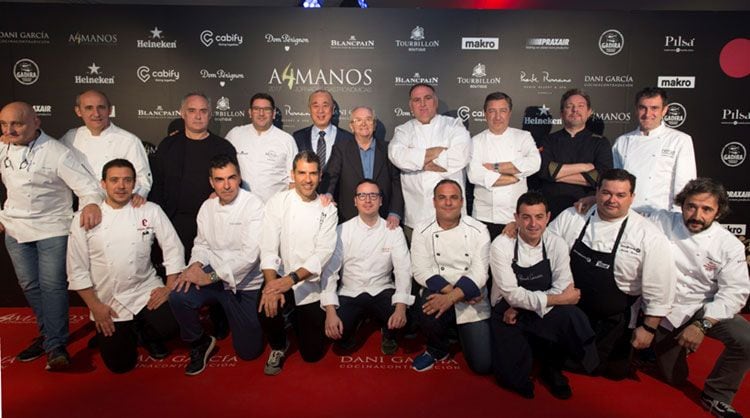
(39, 173)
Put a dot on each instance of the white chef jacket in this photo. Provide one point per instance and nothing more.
(711, 270)
(455, 254)
(407, 150)
(662, 162)
(115, 256)
(39, 202)
(265, 158)
(227, 240)
(113, 142)
(298, 234)
(504, 279)
(368, 254)
(497, 204)
(643, 262)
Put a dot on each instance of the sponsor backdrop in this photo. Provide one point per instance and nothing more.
(146, 58)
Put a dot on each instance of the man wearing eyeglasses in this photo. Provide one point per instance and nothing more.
(265, 152)
(39, 173)
(364, 158)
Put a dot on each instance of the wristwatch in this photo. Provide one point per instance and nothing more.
(703, 324)
(211, 273)
(294, 277)
(496, 166)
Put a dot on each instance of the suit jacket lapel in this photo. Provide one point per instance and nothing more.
(356, 158)
(381, 155)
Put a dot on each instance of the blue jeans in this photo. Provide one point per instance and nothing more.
(40, 268)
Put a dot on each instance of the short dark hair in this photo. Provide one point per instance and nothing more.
(705, 185)
(530, 199)
(117, 162)
(574, 92)
(367, 181)
(448, 181)
(617, 174)
(99, 92)
(498, 96)
(263, 96)
(429, 86)
(307, 156)
(221, 161)
(650, 92)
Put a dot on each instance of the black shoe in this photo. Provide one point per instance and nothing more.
(156, 349)
(199, 355)
(556, 383)
(32, 352)
(58, 359)
(718, 408)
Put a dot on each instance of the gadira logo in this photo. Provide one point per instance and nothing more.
(611, 42)
(676, 115)
(733, 154)
(207, 38)
(26, 72)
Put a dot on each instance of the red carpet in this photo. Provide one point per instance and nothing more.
(366, 384)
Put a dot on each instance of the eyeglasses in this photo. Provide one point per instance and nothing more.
(370, 196)
(365, 121)
(24, 163)
(257, 109)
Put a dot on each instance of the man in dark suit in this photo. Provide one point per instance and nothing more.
(322, 134)
(364, 157)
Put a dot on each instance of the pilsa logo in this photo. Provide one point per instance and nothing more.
(548, 44)
(480, 44)
(541, 116)
(208, 38)
(92, 39)
(165, 75)
(341, 80)
(733, 154)
(676, 82)
(611, 42)
(608, 80)
(465, 113)
(286, 40)
(735, 117)
(352, 43)
(418, 41)
(479, 78)
(95, 75)
(678, 44)
(24, 37)
(676, 115)
(26, 72)
(156, 41)
(418, 77)
(158, 113)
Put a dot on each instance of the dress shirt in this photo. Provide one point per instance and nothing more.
(298, 234)
(643, 262)
(39, 203)
(504, 279)
(227, 240)
(368, 159)
(330, 138)
(113, 142)
(115, 256)
(459, 257)
(407, 151)
(363, 261)
(711, 270)
(265, 158)
(497, 204)
(662, 162)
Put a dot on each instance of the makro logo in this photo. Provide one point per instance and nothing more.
(479, 78)
(676, 82)
(465, 113)
(738, 195)
(417, 41)
(676, 115)
(735, 117)
(414, 79)
(608, 80)
(42, 110)
(26, 72)
(733, 154)
(156, 41)
(286, 39)
(541, 117)
(24, 37)
(208, 38)
(554, 44)
(480, 44)
(352, 43)
(221, 75)
(736, 229)
(92, 39)
(611, 42)
(94, 76)
(342, 80)
(165, 75)
(678, 44)
(158, 113)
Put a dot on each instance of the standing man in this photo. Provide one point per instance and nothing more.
(39, 173)
(100, 141)
(573, 158)
(502, 158)
(264, 151)
(367, 253)
(224, 268)
(616, 256)
(322, 134)
(427, 149)
(297, 240)
(712, 287)
(533, 301)
(660, 157)
(364, 158)
(110, 268)
(450, 259)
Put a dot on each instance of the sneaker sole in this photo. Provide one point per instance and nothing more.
(28, 359)
(431, 365)
(59, 363)
(205, 358)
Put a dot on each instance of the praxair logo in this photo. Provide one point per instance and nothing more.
(733, 154)
(165, 75)
(611, 42)
(417, 41)
(24, 37)
(156, 41)
(414, 79)
(678, 44)
(558, 44)
(735, 117)
(286, 39)
(478, 79)
(208, 38)
(738, 195)
(95, 76)
(26, 72)
(541, 117)
(341, 80)
(675, 116)
(352, 43)
(92, 39)
(42, 110)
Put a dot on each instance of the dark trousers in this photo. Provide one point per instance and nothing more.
(352, 310)
(120, 350)
(613, 337)
(308, 322)
(241, 309)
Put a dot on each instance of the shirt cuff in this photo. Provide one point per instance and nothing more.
(717, 311)
(436, 283)
(404, 298)
(470, 289)
(80, 283)
(329, 298)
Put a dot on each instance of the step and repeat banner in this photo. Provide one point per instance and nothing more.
(146, 58)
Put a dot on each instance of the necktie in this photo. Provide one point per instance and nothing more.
(321, 151)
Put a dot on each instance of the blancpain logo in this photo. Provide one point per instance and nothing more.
(678, 44)
(221, 75)
(26, 72)
(156, 41)
(733, 154)
(739, 195)
(480, 44)
(676, 115)
(613, 117)
(92, 39)
(208, 38)
(478, 79)
(465, 113)
(287, 40)
(417, 41)
(94, 76)
(736, 229)
(165, 75)
(158, 113)
(414, 79)
(24, 37)
(554, 44)
(352, 43)
(224, 112)
(341, 80)
(611, 42)
(542, 117)
(676, 82)
(42, 110)
(735, 117)
(608, 80)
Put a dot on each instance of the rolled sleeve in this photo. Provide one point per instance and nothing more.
(401, 269)
(78, 264)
